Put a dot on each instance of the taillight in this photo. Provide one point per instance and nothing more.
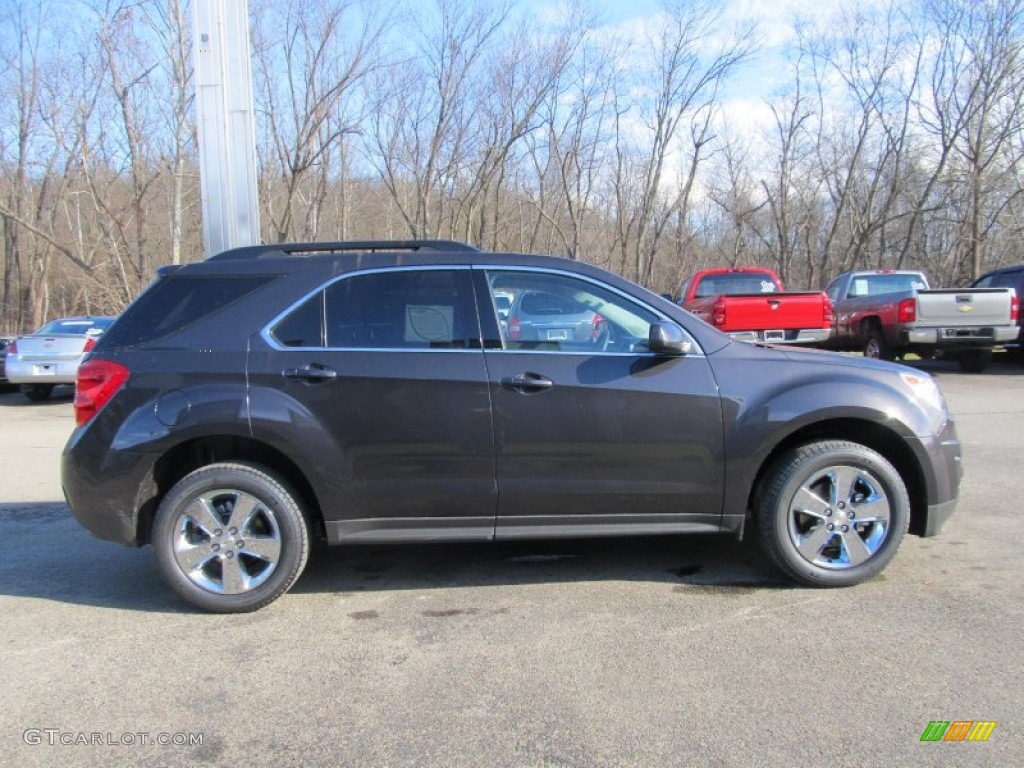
(98, 381)
(515, 329)
(907, 311)
(718, 313)
(12, 348)
(830, 314)
(596, 326)
(1014, 308)
(89, 344)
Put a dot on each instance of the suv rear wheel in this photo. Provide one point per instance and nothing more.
(832, 513)
(230, 538)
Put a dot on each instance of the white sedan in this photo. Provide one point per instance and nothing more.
(51, 355)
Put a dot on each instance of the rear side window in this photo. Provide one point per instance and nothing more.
(175, 302)
(403, 309)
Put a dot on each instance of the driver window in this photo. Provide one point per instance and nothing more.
(557, 313)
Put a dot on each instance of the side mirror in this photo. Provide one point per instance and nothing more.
(668, 339)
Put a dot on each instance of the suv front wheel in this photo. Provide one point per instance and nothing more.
(230, 537)
(832, 513)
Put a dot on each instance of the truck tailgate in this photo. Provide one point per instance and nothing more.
(769, 311)
(950, 307)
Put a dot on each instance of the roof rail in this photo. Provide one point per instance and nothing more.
(271, 250)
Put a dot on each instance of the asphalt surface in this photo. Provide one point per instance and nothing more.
(649, 652)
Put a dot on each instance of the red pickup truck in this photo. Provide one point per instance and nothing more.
(751, 304)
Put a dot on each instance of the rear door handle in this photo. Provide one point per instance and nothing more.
(525, 383)
(311, 373)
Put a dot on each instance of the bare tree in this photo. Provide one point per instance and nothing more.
(687, 82)
(422, 122)
(309, 55)
(568, 154)
(168, 22)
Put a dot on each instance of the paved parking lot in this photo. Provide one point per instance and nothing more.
(672, 651)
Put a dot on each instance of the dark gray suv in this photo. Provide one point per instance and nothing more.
(378, 393)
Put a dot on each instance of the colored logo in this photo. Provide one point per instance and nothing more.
(958, 730)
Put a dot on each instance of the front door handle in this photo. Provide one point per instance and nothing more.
(526, 383)
(311, 373)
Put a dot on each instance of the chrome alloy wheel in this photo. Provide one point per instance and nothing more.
(839, 517)
(227, 541)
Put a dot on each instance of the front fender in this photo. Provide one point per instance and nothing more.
(759, 418)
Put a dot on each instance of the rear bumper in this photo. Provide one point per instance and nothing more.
(105, 495)
(979, 336)
(42, 371)
(792, 336)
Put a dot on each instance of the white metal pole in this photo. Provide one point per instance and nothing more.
(226, 124)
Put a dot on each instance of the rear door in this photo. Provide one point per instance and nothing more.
(383, 374)
(596, 435)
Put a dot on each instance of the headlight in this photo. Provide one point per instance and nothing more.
(924, 389)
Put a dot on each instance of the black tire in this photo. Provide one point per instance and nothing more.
(218, 570)
(875, 345)
(974, 360)
(813, 475)
(37, 393)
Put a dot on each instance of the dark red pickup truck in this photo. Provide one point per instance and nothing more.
(751, 304)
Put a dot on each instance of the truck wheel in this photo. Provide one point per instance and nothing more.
(875, 345)
(832, 513)
(230, 538)
(975, 360)
(37, 393)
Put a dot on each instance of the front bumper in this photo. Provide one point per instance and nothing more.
(942, 466)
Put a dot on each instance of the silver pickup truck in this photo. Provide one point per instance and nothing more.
(887, 313)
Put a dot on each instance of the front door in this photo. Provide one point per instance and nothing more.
(593, 433)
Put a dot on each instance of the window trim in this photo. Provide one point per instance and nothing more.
(267, 331)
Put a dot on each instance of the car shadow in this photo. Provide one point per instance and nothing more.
(62, 395)
(696, 563)
(46, 555)
(1003, 364)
